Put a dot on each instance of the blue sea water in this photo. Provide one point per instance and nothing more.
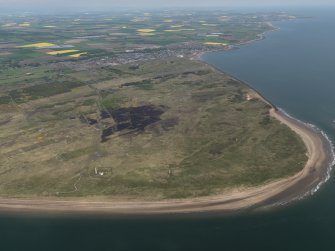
(295, 69)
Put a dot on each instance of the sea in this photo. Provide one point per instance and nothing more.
(294, 68)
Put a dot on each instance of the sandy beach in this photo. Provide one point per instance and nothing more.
(280, 191)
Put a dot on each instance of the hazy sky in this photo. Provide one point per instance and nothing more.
(112, 4)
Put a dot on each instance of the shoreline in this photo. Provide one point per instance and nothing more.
(270, 194)
(278, 192)
(260, 37)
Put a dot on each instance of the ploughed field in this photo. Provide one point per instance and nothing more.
(157, 129)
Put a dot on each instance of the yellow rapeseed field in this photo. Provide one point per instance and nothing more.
(176, 26)
(146, 30)
(60, 52)
(77, 55)
(172, 30)
(37, 45)
(24, 25)
(209, 24)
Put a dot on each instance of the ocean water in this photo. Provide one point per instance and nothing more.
(295, 69)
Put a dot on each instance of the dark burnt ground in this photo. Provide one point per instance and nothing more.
(133, 119)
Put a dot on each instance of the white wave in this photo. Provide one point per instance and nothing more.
(329, 168)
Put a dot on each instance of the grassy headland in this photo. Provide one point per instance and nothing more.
(112, 106)
(160, 129)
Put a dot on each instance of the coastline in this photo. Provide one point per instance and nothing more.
(278, 192)
(260, 37)
(273, 193)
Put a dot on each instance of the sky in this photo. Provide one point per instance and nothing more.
(31, 5)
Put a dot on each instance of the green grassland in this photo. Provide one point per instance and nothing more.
(127, 119)
(171, 128)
